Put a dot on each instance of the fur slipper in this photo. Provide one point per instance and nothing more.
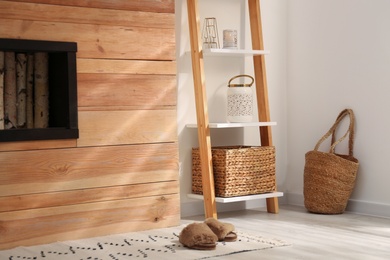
(198, 236)
(224, 231)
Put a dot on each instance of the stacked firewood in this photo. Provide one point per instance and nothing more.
(24, 90)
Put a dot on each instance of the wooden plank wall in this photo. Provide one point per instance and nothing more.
(121, 175)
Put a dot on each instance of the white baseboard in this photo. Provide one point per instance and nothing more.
(294, 199)
(355, 206)
(369, 208)
(195, 208)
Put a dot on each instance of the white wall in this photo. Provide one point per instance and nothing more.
(230, 15)
(339, 57)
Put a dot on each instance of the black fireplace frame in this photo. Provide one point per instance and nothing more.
(63, 118)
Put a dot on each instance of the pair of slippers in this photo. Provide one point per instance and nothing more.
(204, 236)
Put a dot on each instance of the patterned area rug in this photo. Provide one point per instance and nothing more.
(151, 244)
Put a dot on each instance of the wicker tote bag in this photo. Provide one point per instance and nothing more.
(329, 178)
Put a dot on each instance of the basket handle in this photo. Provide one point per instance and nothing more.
(349, 131)
(239, 76)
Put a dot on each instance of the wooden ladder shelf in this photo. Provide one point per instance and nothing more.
(201, 100)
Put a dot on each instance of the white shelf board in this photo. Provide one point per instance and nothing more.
(240, 198)
(233, 52)
(232, 125)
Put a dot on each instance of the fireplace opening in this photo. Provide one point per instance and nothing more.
(54, 102)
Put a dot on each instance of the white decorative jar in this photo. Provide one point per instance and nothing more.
(240, 101)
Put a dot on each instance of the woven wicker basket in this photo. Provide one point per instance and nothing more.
(238, 170)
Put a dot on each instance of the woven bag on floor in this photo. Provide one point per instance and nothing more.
(329, 178)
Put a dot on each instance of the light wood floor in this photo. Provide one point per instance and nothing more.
(313, 236)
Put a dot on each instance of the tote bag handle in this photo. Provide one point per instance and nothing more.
(332, 131)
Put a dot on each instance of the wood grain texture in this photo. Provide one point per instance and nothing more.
(122, 173)
(261, 85)
(126, 66)
(72, 169)
(126, 127)
(137, 91)
(98, 41)
(202, 115)
(83, 15)
(157, 6)
(38, 226)
(63, 198)
(314, 236)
